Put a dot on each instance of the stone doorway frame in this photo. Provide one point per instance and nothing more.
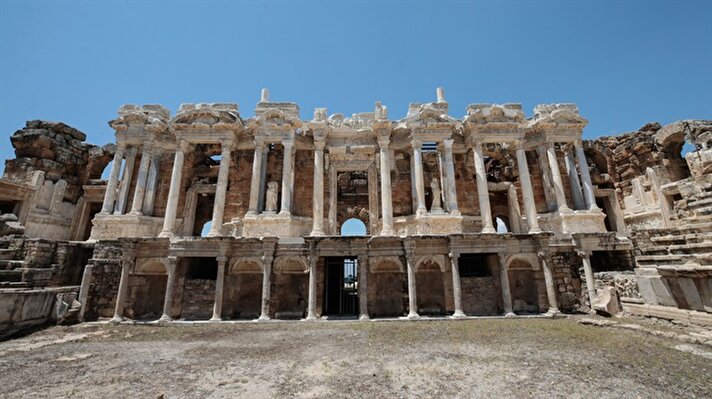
(366, 165)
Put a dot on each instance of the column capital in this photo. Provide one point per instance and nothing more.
(454, 255)
(226, 145)
(416, 144)
(542, 255)
(148, 146)
(184, 146)
(319, 145)
(222, 259)
(121, 146)
(131, 151)
(582, 253)
(288, 142)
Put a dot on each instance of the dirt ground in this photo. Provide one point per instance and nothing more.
(518, 358)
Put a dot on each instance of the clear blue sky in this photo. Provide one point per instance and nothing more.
(623, 63)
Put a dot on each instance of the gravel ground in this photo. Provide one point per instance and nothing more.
(518, 358)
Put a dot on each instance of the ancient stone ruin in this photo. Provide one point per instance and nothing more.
(206, 215)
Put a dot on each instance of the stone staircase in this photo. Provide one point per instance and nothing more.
(19, 268)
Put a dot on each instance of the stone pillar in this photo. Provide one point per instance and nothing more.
(588, 194)
(546, 179)
(482, 190)
(256, 182)
(84, 290)
(588, 272)
(169, 220)
(515, 214)
(311, 300)
(412, 289)
(219, 285)
(263, 175)
(287, 177)
(221, 191)
(123, 290)
(333, 226)
(386, 202)
(556, 176)
(504, 284)
(266, 273)
(170, 285)
(418, 182)
(456, 287)
(527, 191)
(110, 194)
(140, 190)
(550, 286)
(120, 207)
(574, 180)
(318, 194)
(363, 287)
(150, 196)
(450, 187)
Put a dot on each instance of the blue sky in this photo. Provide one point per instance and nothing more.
(623, 63)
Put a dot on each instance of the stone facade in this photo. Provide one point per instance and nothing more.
(206, 215)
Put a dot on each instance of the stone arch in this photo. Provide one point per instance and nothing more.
(386, 264)
(600, 166)
(150, 266)
(363, 223)
(670, 141)
(291, 265)
(245, 265)
(430, 284)
(430, 263)
(243, 288)
(526, 283)
(147, 289)
(387, 286)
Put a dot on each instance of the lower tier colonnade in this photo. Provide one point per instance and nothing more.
(344, 277)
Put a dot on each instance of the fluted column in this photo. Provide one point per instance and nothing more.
(266, 274)
(311, 300)
(558, 182)
(451, 186)
(363, 287)
(527, 191)
(386, 201)
(287, 177)
(219, 287)
(221, 191)
(573, 179)
(456, 287)
(412, 289)
(419, 183)
(318, 194)
(588, 272)
(588, 195)
(170, 285)
(110, 194)
(169, 220)
(150, 196)
(504, 285)
(550, 285)
(140, 190)
(482, 190)
(123, 290)
(256, 182)
(120, 207)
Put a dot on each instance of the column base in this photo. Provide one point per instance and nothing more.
(534, 231)
(421, 211)
(215, 319)
(510, 314)
(389, 232)
(214, 233)
(116, 320)
(285, 213)
(315, 233)
(166, 234)
(364, 317)
(311, 318)
(553, 312)
(136, 213)
(455, 213)
(165, 319)
(489, 230)
(263, 317)
(413, 316)
(459, 314)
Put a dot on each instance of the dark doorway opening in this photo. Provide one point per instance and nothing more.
(341, 288)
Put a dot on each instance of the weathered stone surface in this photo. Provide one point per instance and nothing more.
(607, 302)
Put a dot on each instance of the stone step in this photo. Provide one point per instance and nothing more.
(658, 259)
(699, 203)
(7, 254)
(10, 275)
(679, 239)
(14, 284)
(691, 248)
(11, 264)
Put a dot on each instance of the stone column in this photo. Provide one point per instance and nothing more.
(266, 273)
(456, 287)
(169, 220)
(152, 183)
(311, 300)
(482, 190)
(140, 190)
(418, 182)
(333, 226)
(120, 207)
(363, 287)
(263, 175)
(504, 284)
(412, 289)
(588, 272)
(287, 177)
(318, 194)
(558, 182)
(170, 285)
(588, 194)
(256, 182)
(386, 202)
(221, 191)
(515, 214)
(219, 285)
(574, 179)
(550, 286)
(527, 191)
(451, 187)
(123, 290)
(546, 179)
(110, 194)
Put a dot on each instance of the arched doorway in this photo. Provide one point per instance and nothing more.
(353, 227)
(526, 285)
(147, 288)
